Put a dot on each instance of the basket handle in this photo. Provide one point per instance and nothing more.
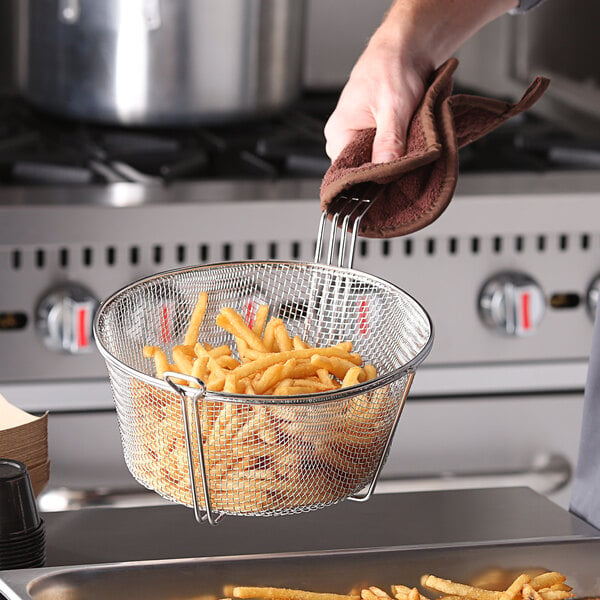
(366, 494)
(196, 396)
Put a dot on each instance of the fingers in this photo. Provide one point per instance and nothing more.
(337, 140)
(389, 112)
(390, 135)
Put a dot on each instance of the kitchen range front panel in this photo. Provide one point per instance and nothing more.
(509, 273)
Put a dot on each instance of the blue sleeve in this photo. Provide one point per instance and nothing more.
(524, 6)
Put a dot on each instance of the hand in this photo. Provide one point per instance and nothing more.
(383, 92)
(389, 79)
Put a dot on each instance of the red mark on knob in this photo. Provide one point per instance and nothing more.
(526, 311)
(83, 339)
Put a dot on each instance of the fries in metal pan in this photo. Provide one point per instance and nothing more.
(524, 586)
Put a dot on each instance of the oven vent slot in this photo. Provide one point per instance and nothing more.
(204, 253)
(40, 258)
(134, 255)
(16, 260)
(87, 257)
(584, 241)
(111, 256)
(63, 258)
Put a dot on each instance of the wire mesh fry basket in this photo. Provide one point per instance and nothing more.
(260, 455)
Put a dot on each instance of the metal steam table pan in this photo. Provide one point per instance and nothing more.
(318, 571)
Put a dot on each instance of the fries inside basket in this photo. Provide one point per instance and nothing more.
(305, 369)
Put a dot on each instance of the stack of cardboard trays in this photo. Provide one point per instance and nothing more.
(24, 437)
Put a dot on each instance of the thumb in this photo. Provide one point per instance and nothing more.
(390, 140)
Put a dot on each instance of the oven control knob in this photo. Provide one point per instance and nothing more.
(512, 304)
(64, 319)
(592, 297)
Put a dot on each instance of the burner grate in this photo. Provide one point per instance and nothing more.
(39, 149)
(36, 148)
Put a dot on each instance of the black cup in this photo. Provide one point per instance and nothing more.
(22, 532)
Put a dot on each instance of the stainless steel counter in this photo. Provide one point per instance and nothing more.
(464, 517)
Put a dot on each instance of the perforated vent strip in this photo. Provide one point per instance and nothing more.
(181, 253)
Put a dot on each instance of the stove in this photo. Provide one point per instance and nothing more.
(39, 149)
(509, 273)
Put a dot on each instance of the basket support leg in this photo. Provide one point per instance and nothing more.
(366, 494)
(196, 397)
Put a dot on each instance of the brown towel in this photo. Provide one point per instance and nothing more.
(412, 191)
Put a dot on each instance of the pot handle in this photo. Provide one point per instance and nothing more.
(69, 12)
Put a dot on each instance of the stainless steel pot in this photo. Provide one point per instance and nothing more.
(161, 62)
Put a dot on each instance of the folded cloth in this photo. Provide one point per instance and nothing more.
(412, 191)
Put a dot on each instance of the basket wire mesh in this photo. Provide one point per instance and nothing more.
(260, 455)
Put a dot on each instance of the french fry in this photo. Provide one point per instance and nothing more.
(557, 586)
(284, 342)
(269, 336)
(516, 587)
(296, 390)
(370, 372)
(287, 594)
(547, 579)
(270, 378)
(299, 344)
(555, 594)
(243, 349)
(219, 351)
(301, 369)
(227, 362)
(230, 385)
(337, 365)
(452, 588)
(403, 592)
(183, 361)
(275, 357)
(161, 362)
(325, 378)
(353, 376)
(215, 382)
(312, 383)
(374, 593)
(193, 330)
(529, 593)
(232, 322)
(200, 368)
(260, 319)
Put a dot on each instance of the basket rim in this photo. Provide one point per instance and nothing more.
(298, 399)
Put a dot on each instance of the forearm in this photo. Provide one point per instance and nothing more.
(435, 29)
